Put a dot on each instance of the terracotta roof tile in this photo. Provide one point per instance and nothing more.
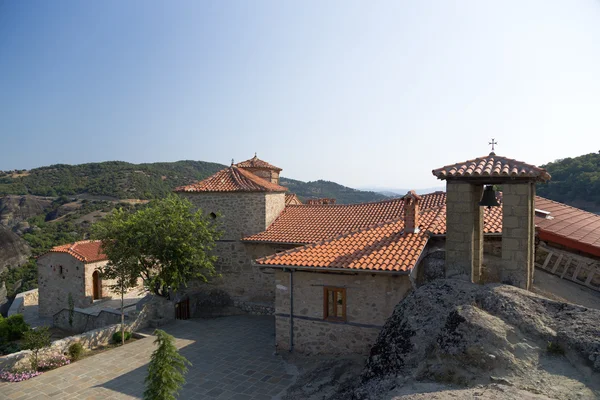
(232, 179)
(569, 226)
(492, 166)
(256, 162)
(382, 247)
(88, 251)
(304, 224)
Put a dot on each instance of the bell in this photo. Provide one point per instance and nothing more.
(489, 197)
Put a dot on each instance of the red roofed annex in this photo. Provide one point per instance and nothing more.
(346, 266)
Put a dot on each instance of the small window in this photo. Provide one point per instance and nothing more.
(60, 268)
(334, 303)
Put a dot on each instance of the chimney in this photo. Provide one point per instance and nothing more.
(411, 212)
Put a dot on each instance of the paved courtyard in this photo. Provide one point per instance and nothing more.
(232, 357)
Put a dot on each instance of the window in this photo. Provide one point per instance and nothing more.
(334, 303)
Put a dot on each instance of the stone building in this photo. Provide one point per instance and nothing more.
(332, 273)
(72, 269)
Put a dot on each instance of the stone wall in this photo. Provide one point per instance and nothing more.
(54, 286)
(23, 299)
(370, 300)
(241, 214)
(518, 234)
(464, 237)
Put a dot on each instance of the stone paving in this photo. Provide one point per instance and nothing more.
(232, 357)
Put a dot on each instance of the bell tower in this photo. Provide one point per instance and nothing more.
(465, 200)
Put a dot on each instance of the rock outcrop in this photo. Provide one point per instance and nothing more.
(451, 332)
(16, 209)
(14, 251)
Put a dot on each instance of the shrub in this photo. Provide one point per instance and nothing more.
(36, 340)
(75, 351)
(52, 362)
(116, 337)
(18, 376)
(555, 348)
(12, 328)
(166, 371)
(9, 348)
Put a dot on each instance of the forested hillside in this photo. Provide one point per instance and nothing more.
(575, 181)
(121, 180)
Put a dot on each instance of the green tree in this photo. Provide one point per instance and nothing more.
(167, 369)
(167, 244)
(35, 340)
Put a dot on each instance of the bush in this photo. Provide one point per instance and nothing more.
(555, 348)
(9, 348)
(116, 337)
(12, 328)
(75, 351)
(35, 340)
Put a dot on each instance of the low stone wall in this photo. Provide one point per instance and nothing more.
(149, 310)
(254, 308)
(84, 320)
(89, 340)
(324, 337)
(23, 299)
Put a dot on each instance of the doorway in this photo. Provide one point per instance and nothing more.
(96, 286)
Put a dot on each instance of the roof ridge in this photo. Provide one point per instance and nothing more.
(366, 202)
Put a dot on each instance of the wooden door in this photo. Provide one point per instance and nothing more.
(96, 286)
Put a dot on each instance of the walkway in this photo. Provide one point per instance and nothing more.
(232, 357)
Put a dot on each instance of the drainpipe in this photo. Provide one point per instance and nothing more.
(291, 310)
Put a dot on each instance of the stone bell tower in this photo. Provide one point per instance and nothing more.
(465, 183)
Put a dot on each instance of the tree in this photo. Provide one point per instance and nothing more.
(167, 369)
(166, 243)
(35, 340)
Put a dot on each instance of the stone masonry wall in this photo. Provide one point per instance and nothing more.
(370, 300)
(464, 238)
(54, 287)
(518, 234)
(241, 214)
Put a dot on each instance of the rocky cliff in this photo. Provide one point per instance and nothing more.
(16, 209)
(14, 251)
(471, 336)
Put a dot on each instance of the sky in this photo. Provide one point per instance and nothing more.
(366, 94)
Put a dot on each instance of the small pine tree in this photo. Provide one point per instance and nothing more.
(167, 369)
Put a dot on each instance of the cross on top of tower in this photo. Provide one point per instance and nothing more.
(493, 143)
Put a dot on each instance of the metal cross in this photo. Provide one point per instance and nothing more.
(493, 143)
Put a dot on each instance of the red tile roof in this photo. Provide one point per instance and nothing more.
(256, 162)
(569, 226)
(88, 251)
(232, 179)
(383, 247)
(302, 224)
(492, 166)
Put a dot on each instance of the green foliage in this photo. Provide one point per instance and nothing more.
(118, 338)
(167, 243)
(12, 328)
(9, 348)
(116, 179)
(167, 369)
(574, 181)
(71, 309)
(326, 189)
(75, 351)
(555, 348)
(36, 340)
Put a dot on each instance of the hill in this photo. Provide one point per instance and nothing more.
(113, 180)
(575, 181)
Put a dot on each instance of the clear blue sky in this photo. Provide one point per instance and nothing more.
(362, 93)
